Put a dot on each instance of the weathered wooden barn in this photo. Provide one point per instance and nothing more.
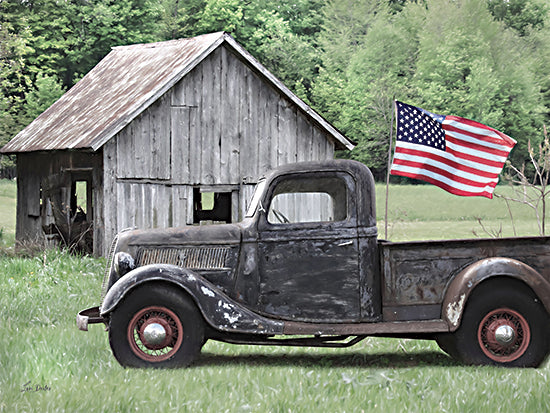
(157, 135)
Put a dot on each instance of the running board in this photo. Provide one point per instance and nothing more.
(357, 329)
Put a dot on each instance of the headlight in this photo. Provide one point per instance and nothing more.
(123, 263)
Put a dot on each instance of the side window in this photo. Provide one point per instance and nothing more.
(303, 200)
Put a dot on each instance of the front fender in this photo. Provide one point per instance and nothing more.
(465, 282)
(219, 310)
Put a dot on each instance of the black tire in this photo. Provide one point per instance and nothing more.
(447, 343)
(150, 309)
(503, 324)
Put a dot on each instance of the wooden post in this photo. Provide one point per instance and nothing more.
(388, 172)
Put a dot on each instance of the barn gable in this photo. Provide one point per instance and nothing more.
(172, 143)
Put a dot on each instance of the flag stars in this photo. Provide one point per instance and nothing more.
(420, 127)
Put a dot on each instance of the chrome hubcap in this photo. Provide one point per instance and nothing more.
(505, 334)
(154, 334)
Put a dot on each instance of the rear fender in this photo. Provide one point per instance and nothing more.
(220, 311)
(466, 281)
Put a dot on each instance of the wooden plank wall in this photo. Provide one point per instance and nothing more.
(241, 124)
(143, 149)
(220, 125)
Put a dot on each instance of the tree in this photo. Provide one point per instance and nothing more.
(345, 27)
(272, 31)
(523, 16)
(469, 65)
(14, 83)
(539, 45)
(68, 38)
(448, 56)
(45, 91)
(379, 72)
(339, 89)
(531, 189)
(179, 18)
(14, 80)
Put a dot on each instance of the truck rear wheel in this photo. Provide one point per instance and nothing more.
(447, 343)
(503, 324)
(156, 326)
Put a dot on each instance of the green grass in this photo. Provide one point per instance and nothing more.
(419, 212)
(76, 372)
(8, 196)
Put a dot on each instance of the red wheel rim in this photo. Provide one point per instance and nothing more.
(163, 347)
(504, 335)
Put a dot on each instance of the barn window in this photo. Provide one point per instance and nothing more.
(79, 196)
(211, 206)
(81, 200)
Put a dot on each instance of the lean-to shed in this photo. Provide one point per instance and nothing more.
(157, 135)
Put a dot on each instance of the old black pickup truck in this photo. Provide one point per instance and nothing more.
(306, 268)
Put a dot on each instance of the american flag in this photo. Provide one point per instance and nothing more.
(461, 156)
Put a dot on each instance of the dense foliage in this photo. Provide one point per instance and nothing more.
(485, 60)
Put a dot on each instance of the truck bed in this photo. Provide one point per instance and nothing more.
(415, 275)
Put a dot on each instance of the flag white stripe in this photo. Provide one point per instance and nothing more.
(458, 172)
(482, 167)
(475, 129)
(474, 152)
(443, 179)
(467, 138)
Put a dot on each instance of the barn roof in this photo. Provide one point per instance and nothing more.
(123, 85)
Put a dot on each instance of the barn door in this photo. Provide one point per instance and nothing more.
(67, 208)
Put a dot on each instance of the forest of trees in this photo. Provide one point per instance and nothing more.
(486, 60)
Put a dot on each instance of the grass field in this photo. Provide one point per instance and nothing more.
(8, 194)
(418, 212)
(48, 365)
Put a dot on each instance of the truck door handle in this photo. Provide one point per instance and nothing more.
(343, 244)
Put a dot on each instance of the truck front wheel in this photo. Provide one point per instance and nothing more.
(503, 324)
(156, 326)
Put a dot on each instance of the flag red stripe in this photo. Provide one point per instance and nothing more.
(442, 185)
(474, 158)
(475, 146)
(505, 139)
(442, 172)
(445, 159)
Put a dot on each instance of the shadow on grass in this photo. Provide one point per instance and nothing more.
(379, 360)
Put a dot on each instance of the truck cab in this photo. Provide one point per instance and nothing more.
(310, 245)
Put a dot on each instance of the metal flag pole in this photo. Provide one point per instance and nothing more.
(388, 172)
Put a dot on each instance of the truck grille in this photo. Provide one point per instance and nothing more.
(110, 257)
(198, 258)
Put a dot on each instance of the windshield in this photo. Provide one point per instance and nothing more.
(256, 198)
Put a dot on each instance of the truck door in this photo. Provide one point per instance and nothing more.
(308, 249)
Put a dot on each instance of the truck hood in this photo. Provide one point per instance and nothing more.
(189, 236)
(211, 250)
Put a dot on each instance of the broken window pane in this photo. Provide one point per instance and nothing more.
(213, 207)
